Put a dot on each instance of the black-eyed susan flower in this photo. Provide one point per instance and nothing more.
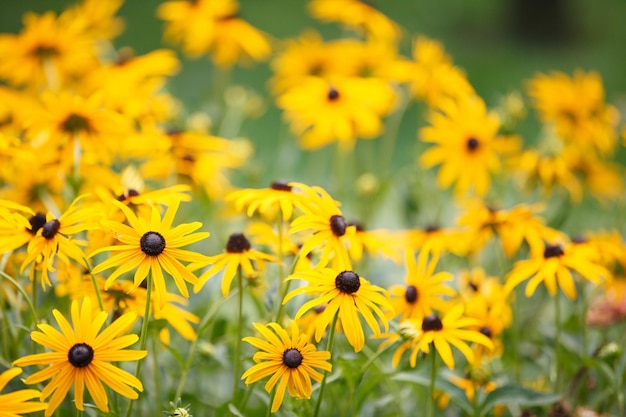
(289, 359)
(279, 196)
(16, 403)
(152, 246)
(424, 290)
(330, 230)
(467, 144)
(346, 294)
(438, 240)
(553, 267)
(439, 333)
(238, 254)
(237, 40)
(80, 357)
(321, 112)
(54, 239)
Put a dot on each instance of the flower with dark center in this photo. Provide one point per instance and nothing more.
(152, 243)
(237, 243)
(292, 358)
(338, 225)
(280, 186)
(50, 228)
(36, 222)
(80, 355)
(553, 251)
(472, 144)
(348, 282)
(333, 94)
(432, 323)
(486, 331)
(411, 294)
(75, 123)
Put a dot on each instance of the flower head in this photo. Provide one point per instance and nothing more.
(288, 358)
(80, 356)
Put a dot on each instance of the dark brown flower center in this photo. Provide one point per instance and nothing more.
(333, 94)
(486, 331)
(432, 229)
(432, 323)
(553, 251)
(473, 286)
(152, 243)
(45, 51)
(347, 282)
(237, 243)
(80, 355)
(50, 228)
(36, 222)
(338, 225)
(411, 294)
(128, 194)
(292, 358)
(75, 123)
(472, 144)
(280, 186)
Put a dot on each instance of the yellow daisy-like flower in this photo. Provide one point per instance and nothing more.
(81, 357)
(440, 333)
(236, 39)
(375, 242)
(152, 246)
(346, 294)
(279, 196)
(356, 15)
(330, 230)
(467, 145)
(437, 240)
(16, 403)
(553, 267)
(238, 254)
(322, 112)
(424, 290)
(288, 358)
(53, 239)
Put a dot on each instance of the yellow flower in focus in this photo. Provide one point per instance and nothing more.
(287, 357)
(356, 15)
(81, 357)
(238, 254)
(467, 145)
(321, 112)
(424, 290)
(151, 246)
(277, 198)
(345, 294)
(554, 268)
(16, 403)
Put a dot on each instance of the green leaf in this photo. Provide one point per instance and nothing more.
(514, 394)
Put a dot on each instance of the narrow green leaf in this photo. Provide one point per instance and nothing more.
(514, 394)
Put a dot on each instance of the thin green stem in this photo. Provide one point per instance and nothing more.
(281, 267)
(621, 403)
(95, 284)
(430, 407)
(557, 340)
(204, 324)
(285, 289)
(329, 348)
(583, 325)
(237, 354)
(143, 335)
(21, 290)
(157, 370)
(388, 141)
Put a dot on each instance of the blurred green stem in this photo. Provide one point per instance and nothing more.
(237, 354)
(329, 348)
(430, 408)
(19, 288)
(388, 140)
(157, 370)
(557, 340)
(94, 281)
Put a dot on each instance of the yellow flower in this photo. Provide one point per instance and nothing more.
(18, 225)
(81, 357)
(321, 112)
(356, 15)
(151, 246)
(16, 403)
(376, 242)
(330, 230)
(424, 290)
(47, 52)
(553, 267)
(576, 106)
(278, 197)
(238, 254)
(440, 333)
(437, 240)
(346, 294)
(54, 240)
(288, 358)
(236, 39)
(467, 145)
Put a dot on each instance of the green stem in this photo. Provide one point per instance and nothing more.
(204, 324)
(583, 325)
(21, 290)
(389, 139)
(157, 369)
(621, 403)
(329, 348)
(430, 409)
(281, 267)
(285, 289)
(143, 335)
(237, 354)
(557, 339)
(95, 284)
